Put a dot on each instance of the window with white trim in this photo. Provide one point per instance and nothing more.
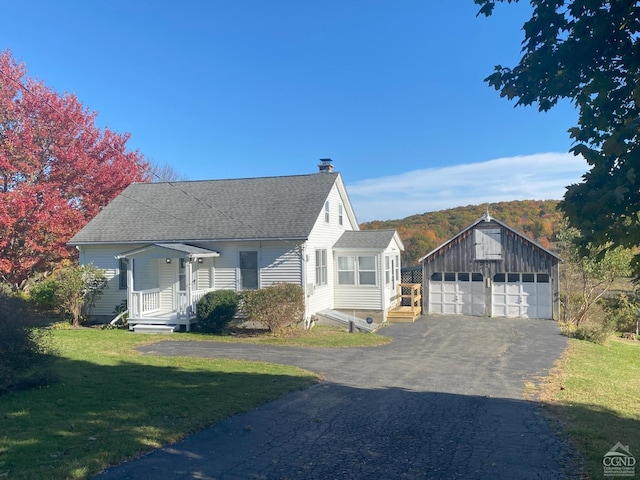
(387, 270)
(122, 273)
(359, 270)
(346, 271)
(249, 270)
(367, 270)
(326, 211)
(340, 215)
(321, 266)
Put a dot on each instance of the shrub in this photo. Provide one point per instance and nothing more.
(79, 288)
(277, 307)
(592, 333)
(216, 309)
(25, 349)
(622, 310)
(43, 296)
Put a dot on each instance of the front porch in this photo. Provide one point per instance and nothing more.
(145, 309)
(165, 283)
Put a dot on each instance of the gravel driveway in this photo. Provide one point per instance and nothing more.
(442, 401)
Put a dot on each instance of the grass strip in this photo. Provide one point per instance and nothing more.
(320, 337)
(594, 393)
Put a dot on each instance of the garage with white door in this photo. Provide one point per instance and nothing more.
(490, 269)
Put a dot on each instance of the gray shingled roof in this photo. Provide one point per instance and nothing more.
(379, 239)
(251, 208)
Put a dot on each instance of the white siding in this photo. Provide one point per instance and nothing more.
(324, 236)
(167, 277)
(202, 273)
(145, 273)
(225, 267)
(365, 297)
(104, 257)
(279, 264)
(358, 298)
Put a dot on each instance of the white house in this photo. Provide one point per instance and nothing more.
(164, 245)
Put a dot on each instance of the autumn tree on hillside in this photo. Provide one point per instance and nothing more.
(588, 52)
(57, 169)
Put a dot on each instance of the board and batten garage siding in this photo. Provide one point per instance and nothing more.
(518, 255)
(104, 257)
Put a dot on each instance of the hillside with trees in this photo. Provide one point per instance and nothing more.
(539, 220)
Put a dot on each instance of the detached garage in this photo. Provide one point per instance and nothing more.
(490, 269)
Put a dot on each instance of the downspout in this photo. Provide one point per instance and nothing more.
(303, 267)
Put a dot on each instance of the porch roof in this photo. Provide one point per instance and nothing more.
(184, 250)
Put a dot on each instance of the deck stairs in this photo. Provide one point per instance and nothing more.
(347, 319)
(410, 300)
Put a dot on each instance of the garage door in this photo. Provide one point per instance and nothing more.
(456, 293)
(526, 295)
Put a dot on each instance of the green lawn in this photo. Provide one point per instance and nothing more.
(319, 336)
(111, 403)
(594, 393)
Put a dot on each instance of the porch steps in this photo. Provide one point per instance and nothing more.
(346, 319)
(149, 328)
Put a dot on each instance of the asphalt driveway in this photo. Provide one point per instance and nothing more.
(442, 401)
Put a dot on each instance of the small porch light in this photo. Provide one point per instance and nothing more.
(168, 260)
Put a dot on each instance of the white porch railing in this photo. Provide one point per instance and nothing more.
(144, 302)
(148, 301)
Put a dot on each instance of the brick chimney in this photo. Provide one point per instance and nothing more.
(325, 165)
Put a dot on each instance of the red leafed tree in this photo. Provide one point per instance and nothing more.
(57, 169)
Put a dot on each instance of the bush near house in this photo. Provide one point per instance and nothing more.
(24, 348)
(43, 297)
(277, 307)
(216, 309)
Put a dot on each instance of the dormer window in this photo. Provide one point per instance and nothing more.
(326, 211)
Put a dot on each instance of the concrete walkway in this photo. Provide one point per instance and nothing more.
(442, 401)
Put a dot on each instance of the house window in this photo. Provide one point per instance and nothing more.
(340, 214)
(326, 211)
(387, 270)
(346, 271)
(367, 270)
(122, 273)
(361, 268)
(397, 271)
(321, 267)
(249, 270)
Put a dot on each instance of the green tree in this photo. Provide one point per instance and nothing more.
(586, 278)
(78, 289)
(587, 51)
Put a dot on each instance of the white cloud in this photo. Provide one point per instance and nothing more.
(542, 176)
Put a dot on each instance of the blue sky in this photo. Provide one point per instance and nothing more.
(392, 91)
